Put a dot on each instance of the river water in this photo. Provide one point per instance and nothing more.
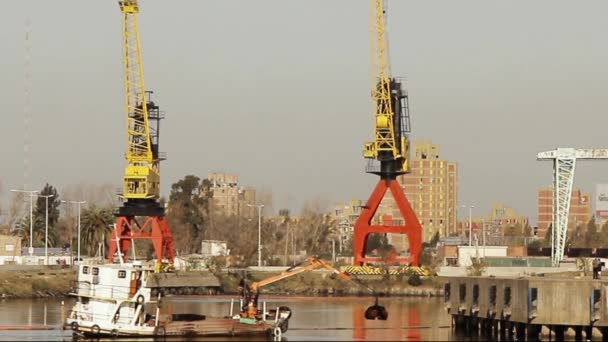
(317, 318)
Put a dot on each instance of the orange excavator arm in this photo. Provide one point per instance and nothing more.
(313, 263)
(251, 292)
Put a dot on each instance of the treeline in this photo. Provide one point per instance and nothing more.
(192, 218)
(95, 218)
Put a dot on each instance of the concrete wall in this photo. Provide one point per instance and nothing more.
(517, 251)
(10, 245)
(466, 252)
(559, 301)
(447, 271)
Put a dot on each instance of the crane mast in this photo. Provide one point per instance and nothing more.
(390, 106)
(142, 177)
(141, 216)
(390, 148)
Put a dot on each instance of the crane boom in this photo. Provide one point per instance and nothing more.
(142, 177)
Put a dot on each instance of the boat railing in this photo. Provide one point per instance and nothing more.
(87, 289)
(88, 316)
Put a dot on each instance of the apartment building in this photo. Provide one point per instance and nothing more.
(229, 198)
(345, 216)
(580, 209)
(493, 224)
(431, 187)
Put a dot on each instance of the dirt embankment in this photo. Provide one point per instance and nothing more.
(35, 283)
(324, 284)
(42, 282)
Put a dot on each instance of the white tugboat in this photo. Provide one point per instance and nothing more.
(113, 300)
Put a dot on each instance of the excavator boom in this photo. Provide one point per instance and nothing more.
(251, 292)
(313, 263)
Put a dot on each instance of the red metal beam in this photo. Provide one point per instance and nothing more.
(411, 227)
(155, 228)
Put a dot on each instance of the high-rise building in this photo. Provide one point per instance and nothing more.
(580, 209)
(229, 198)
(431, 188)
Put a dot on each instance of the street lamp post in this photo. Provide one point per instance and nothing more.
(470, 224)
(46, 226)
(259, 206)
(79, 203)
(31, 193)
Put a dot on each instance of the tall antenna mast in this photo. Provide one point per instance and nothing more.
(26, 103)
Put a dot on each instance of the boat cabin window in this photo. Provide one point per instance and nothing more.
(95, 270)
(122, 274)
(85, 269)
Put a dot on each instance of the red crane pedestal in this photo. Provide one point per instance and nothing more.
(155, 228)
(411, 227)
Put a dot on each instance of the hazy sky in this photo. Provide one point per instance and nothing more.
(278, 91)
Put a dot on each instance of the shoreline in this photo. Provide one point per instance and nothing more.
(57, 283)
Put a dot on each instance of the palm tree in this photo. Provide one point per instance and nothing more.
(95, 227)
(38, 231)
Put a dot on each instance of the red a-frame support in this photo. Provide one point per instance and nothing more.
(411, 227)
(155, 228)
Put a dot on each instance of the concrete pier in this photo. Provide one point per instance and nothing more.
(519, 308)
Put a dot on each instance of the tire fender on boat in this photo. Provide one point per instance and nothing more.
(284, 326)
(95, 329)
(276, 332)
(74, 326)
(140, 299)
(114, 333)
(159, 331)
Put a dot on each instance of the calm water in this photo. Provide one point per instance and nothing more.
(325, 319)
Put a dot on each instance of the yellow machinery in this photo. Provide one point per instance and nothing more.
(140, 216)
(389, 152)
(142, 177)
(389, 102)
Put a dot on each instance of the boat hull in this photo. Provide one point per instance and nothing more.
(220, 326)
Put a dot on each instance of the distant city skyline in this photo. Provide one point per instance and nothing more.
(278, 92)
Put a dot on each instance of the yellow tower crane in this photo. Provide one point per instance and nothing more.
(142, 177)
(141, 181)
(389, 152)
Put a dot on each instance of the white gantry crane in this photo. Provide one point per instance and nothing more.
(564, 160)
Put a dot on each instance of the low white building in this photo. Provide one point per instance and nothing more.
(211, 248)
(465, 253)
(191, 262)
